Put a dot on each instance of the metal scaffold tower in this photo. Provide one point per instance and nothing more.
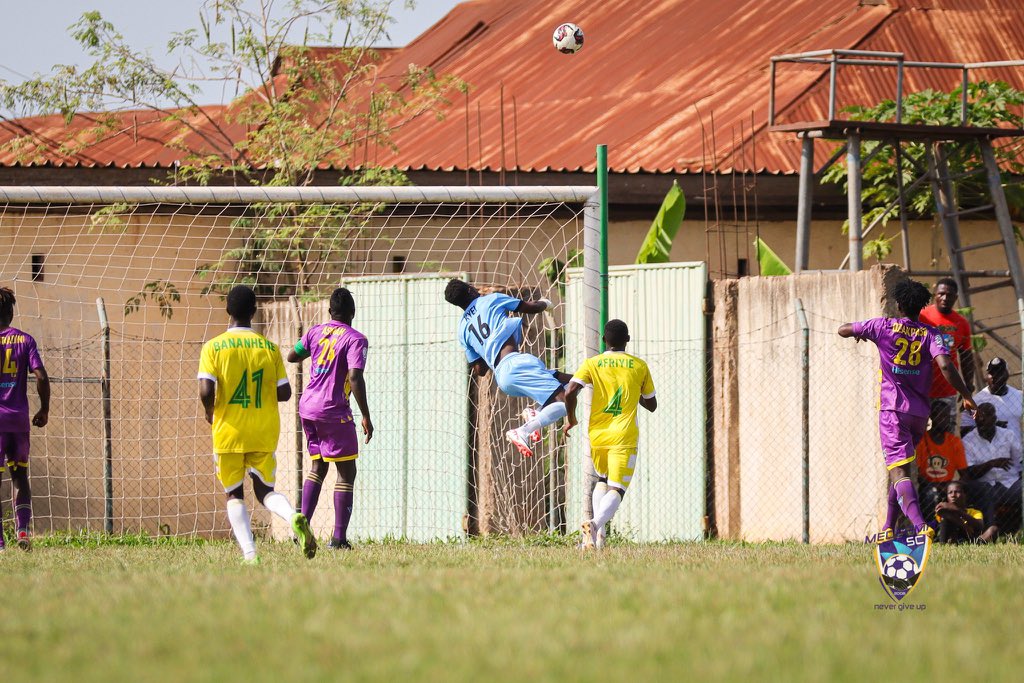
(938, 142)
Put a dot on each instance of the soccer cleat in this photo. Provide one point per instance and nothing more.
(519, 442)
(884, 536)
(588, 535)
(300, 525)
(527, 415)
(251, 561)
(24, 541)
(338, 544)
(926, 530)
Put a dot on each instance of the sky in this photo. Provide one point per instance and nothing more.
(34, 35)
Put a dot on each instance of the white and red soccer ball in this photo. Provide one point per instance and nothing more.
(568, 38)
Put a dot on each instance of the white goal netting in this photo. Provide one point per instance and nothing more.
(155, 262)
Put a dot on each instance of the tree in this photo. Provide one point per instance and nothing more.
(991, 104)
(297, 108)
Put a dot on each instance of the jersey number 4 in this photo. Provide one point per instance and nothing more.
(10, 367)
(484, 333)
(241, 396)
(614, 406)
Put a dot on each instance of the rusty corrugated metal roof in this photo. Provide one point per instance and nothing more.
(648, 83)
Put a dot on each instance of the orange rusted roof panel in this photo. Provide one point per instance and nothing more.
(671, 86)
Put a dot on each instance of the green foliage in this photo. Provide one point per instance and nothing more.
(161, 292)
(553, 268)
(878, 248)
(297, 108)
(991, 104)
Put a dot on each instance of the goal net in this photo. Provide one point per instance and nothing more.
(121, 287)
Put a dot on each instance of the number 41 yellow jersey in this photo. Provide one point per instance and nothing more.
(619, 380)
(247, 368)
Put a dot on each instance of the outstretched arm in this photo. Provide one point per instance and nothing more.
(533, 307)
(43, 387)
(846, 331)
(967, 363)
(571, 390)
(358, 384)
(952, 376)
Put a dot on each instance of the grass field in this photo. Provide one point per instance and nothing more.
(490, 611)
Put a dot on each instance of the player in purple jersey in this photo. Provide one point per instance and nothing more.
(18, 356)
(339, 357)
(906, 348)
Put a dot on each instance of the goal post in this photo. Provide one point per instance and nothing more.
(161, 258)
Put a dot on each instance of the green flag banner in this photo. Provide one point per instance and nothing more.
(769, 261)
(657, 245)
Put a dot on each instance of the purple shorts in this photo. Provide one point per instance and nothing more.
(900, 433)
(332, 440)
(13, 449)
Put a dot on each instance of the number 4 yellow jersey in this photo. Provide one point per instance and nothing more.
(619, 380)
(247, 368)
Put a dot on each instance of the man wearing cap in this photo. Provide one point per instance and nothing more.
(1008, 401)
(956, 334)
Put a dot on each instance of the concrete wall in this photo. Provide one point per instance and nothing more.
(757, 375)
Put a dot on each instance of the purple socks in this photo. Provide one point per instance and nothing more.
(23, 510)
(907, 498)
(342, 510)
(310, 495)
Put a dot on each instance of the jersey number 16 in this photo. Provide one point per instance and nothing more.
(484, 333)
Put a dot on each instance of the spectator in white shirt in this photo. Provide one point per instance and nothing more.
(994, 469)
(1008, 402)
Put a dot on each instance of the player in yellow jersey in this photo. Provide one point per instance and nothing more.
(620, 382)
(241, 381)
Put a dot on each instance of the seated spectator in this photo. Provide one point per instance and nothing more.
(959, 523)
(1009, 402)
(994, 469)
(940, 457)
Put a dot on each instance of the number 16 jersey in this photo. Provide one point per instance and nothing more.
(486, 326)
(619, 381)
(905, 352)
(247, 368)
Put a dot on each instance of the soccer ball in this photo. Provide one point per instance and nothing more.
(568, 38)
(900, 567)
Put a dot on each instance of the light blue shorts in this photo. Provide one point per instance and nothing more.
(520, 374)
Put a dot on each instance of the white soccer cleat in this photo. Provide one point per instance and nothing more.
(527, 415)
(519, 442)
(587, 529)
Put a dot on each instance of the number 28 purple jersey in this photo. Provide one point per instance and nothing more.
(905, 351)
(335, 348)
(18, 357)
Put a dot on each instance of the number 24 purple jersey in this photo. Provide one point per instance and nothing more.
(335, 348)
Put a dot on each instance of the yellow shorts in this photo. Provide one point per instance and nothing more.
(616, 463)
(231, 468)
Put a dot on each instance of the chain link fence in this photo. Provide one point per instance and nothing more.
(766, 427)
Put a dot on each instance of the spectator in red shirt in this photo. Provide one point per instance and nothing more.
(956, 333)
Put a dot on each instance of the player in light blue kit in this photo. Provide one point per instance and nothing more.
(491, 339)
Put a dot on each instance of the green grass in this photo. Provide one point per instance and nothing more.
(494, 611)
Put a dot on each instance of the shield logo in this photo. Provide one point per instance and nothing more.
(901, 562)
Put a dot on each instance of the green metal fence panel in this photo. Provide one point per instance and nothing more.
(663, 307)
(412, 475)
